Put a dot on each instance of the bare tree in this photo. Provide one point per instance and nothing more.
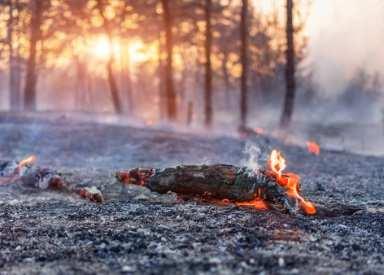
(115, 93)
(289, 100)
(244, 64)
(168, 72)
(36, 11)
(14, 66)
(208, 65)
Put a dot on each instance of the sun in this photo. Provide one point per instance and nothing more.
(101, 48)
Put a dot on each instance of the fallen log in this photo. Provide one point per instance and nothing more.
(39, 178)
(223, 182)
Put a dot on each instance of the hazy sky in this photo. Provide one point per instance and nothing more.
(345, 35)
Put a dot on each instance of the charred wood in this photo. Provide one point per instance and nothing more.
(12, 172)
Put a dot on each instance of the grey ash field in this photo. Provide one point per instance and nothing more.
(136, 231)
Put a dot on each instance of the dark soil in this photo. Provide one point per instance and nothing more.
(136, 231)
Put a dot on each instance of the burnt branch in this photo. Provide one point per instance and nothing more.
(12, 172)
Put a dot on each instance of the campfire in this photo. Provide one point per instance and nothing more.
(268, 188)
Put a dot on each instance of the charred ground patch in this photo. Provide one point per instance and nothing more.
(136, 231)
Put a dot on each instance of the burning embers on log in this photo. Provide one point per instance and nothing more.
(263, 188)
(28, 175)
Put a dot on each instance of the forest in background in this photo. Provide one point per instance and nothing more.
(194, 62)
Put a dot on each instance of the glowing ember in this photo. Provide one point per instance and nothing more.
(313, 147)
(290, 181)
(257, 202)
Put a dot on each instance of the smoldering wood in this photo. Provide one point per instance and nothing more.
(44, 178)
(213, 181)
(39, 178)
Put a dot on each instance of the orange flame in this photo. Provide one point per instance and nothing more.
(290, 181)
(23, 164)
(313, 147)
(27, 162)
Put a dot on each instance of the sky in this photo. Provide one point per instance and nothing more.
(345, 35)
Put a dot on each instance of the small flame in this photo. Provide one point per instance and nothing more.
(24, 164)
(29, 161)
(276, 162)
(290, 181)
(17, 170)
(313, 147)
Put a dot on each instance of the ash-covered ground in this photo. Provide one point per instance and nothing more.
(139, 232)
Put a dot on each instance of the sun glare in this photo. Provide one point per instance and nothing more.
(136, 51)
(102, 49)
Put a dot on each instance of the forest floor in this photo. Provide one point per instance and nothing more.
(136, 231)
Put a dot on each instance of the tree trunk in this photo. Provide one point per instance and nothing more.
(126, 80)
(14, 72)
(214, 182)
(227, 85)
(244, 64)
(169, 85)
(160, 76)
(115, 93)
(113, 85)
(289, 101)
(208, 65)
(31, 74)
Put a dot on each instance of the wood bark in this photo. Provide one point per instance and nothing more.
(289, 100)
(208, 64)
(213, 181)
(244, 64)
(170, 92)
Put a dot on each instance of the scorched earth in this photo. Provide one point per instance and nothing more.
(136, 231)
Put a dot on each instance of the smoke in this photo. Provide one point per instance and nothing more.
(345, 36)
(253, 154)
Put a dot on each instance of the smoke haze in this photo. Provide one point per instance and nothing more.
(345, 36)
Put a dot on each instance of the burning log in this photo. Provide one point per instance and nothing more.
(262, 189)
(43, 179)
